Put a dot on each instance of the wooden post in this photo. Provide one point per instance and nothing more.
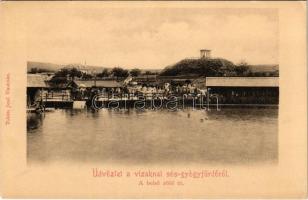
(208, 98)
(41, 94)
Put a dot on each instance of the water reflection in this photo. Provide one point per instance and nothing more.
(155, 136)
(34, 121)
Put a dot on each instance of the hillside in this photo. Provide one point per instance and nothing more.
(51, 67)
(44, 66)
(218, 67)
(55, 67)
(200, 67)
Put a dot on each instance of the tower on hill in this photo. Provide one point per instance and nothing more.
(205, 53)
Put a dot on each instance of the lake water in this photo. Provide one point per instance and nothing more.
(235, 136)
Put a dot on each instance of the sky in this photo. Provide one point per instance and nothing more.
(149, 37)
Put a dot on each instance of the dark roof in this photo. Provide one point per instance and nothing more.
(145, 77)
(59, 82)
(242, 81)
(98, 83)
(36, 81)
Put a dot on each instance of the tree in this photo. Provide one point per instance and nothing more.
(104, 73)
(135, 72)
(86, 76)
(242, 69)
(62, 72)
(75, 73)
(71, 72)
(119, 72)
(33, 70)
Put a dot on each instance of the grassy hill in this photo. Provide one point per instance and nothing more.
(217, 67)
(200, 67)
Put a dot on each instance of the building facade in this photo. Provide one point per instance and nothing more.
(244, 90)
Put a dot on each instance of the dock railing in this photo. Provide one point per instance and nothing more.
(56, 96)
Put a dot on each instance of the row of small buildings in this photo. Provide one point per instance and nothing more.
(230, 90)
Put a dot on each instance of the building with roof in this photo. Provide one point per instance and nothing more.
(36, 81)
(145, 79)
(84, 89)
(242, 81)
(98, 84)
(244, 90)
(36, 84)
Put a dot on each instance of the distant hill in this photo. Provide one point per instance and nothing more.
(44, 66)
(55, 67)
(51, 67)
(264, 68)
(185, 67)
(200, 67)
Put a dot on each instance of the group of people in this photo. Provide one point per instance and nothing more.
(139, 90)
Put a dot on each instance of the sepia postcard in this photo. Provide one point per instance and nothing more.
(146, 99)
